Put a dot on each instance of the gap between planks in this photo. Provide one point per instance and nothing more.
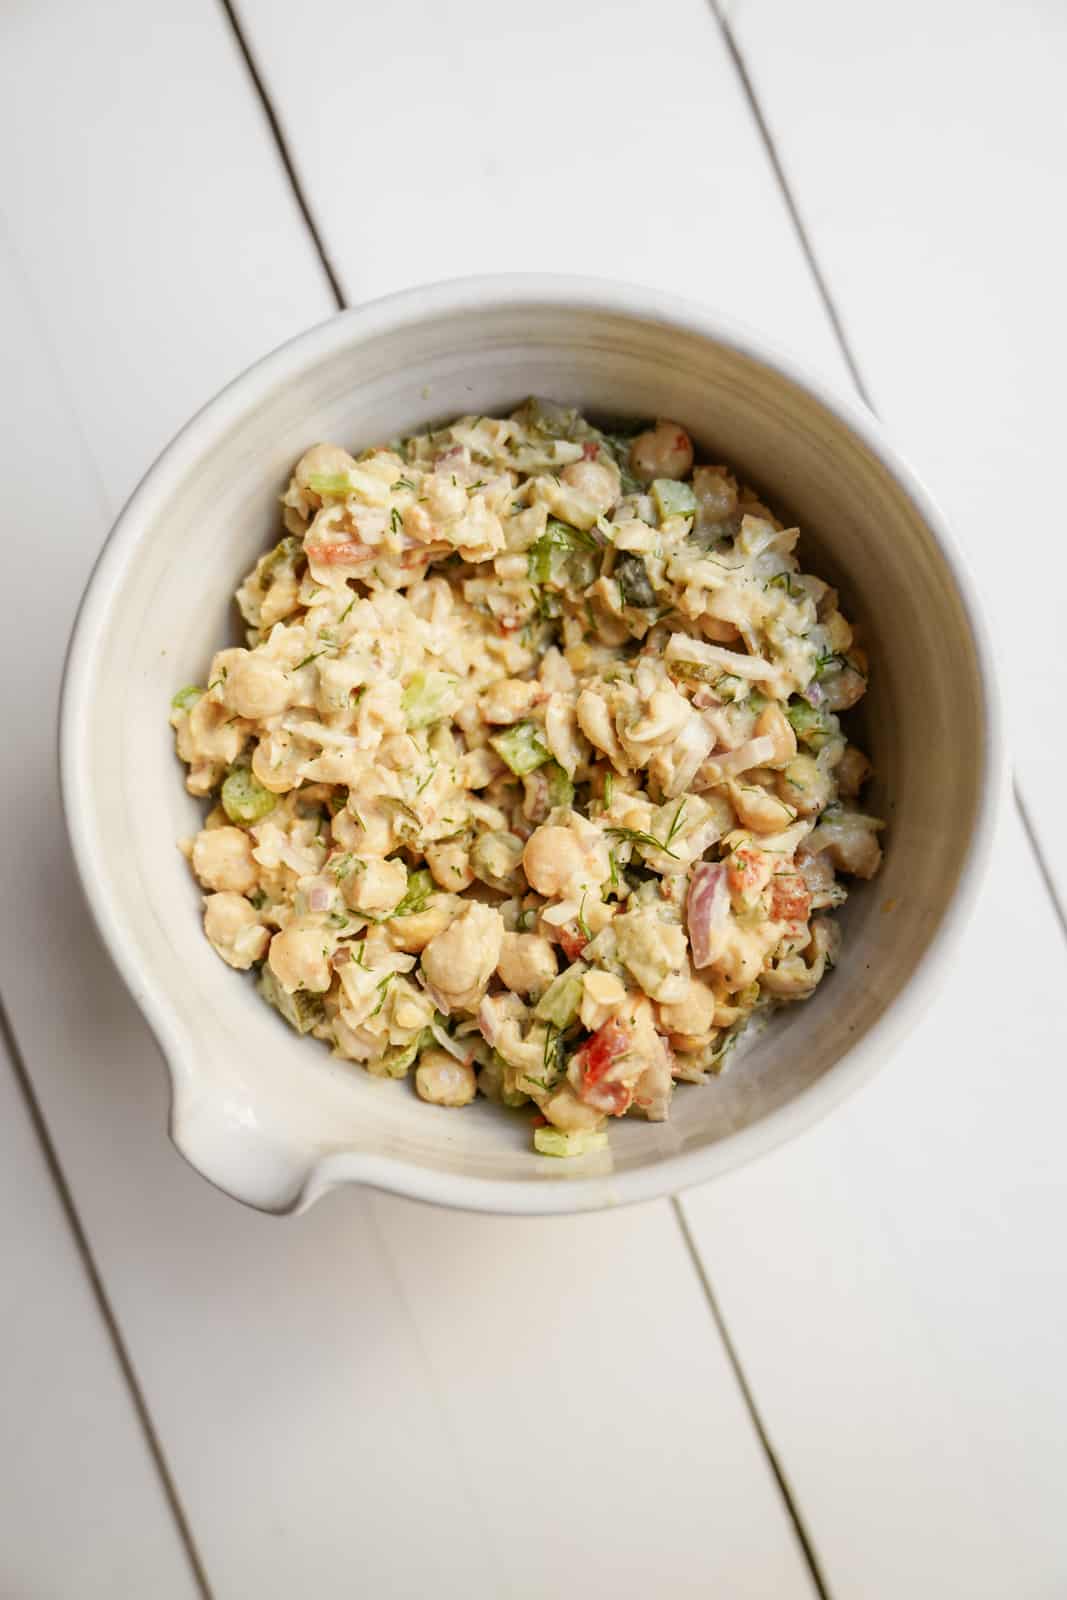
(822, 286)
(96, 1285)
(283, 152)
(839, 333)
(289, 166)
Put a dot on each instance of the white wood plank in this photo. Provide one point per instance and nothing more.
(585, 1395)
(510, 139)
(151, 216)
(928, 149)
(300, 1377)
(82, 1506)
(904, 1312)
(894, 1282)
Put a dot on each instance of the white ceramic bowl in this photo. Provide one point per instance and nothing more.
(271, 1118)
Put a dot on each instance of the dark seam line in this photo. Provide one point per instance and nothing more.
(831, 311)
(791, 206)
(66, 1200)
(1059, 909)
(784, 1489)
(1020, 804)
(1042, 865)
(283, 152)
(805, 1543)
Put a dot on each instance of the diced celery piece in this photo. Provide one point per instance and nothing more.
(560, 787)
(551, 554)
(286, 553)
(186, 698)
(694, 671)
(548, 604)
(673, 499)
(420, 888)
(811, 725)
(560, 1002)
(395, 1063)
(302, 1010)
(427, 698)
(244, 799)
(521, 747)
(554, 1142)
(547, 417)
(495, 858)
(731, 687)
(631, 575)
(727, 685)
(329, 482)
(491, 1081)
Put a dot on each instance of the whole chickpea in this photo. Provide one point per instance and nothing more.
(804, 785)
(773, 724)
(760, 810)
(564, 1110)
(370, 833)
(460, 961)
(444, 1081)
(375, 886)
(213, 732)
(276, 761)
(509, 699)
(413, 933)
(853, 771)
(551, 858)
(450, 866)
(234, 930)
(596, 481)
(321, 461)
(850, 843)
(665, 451)
(299, 956)
(222, 860)
(527, 963)
(844, 688)
(742, 960)
(693, 1014)
(256, 687)
(716, 495)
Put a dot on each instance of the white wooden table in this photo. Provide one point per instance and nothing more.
(839, 1372)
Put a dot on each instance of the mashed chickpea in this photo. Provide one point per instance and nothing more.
(529, 776)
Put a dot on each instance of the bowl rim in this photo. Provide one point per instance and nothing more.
(320, 1171)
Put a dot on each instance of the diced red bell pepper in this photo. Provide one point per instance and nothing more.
(607, 1044)
(790, 898)
(573, 943)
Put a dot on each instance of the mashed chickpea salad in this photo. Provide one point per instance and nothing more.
(529, 779)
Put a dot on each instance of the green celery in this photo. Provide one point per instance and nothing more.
(554, 1142)
(244, 799)
(673, 499)
(521, 747)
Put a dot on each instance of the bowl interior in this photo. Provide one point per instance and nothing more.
(256, 1107)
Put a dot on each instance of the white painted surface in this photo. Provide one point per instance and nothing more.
(298, 1377)
(81, 1498)
(384, 1396)
(927, 147)
(894, 1283)
(534, 139)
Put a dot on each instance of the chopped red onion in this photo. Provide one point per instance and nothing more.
(706, 908)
